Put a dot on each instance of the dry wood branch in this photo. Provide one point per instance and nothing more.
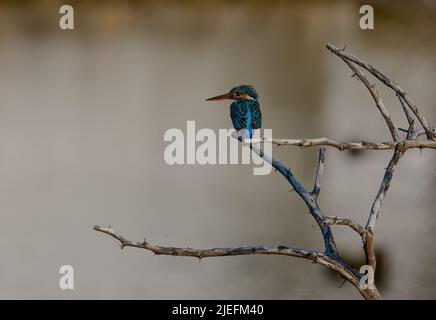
(377, 99)
(369, 245)
(387, 178)
(330, 245)
(319, 174)
(411, 133)
(340, 145)
(316, 257)
(406, 110)
(400, 147)
(214, 252)
(388, 82)
(332, 220)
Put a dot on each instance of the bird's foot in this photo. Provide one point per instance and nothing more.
(244, 134)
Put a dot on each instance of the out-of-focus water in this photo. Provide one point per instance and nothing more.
(82, 119)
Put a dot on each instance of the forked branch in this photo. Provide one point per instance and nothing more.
(330, 257)
(389, 83)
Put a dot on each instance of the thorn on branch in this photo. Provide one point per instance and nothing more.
(410, 131)
(319, 174)
(342, 284)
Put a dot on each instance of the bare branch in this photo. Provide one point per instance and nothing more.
(388, 82)
(330, 245)
(340, 145)
(332, 220)
(319, 174)
(411, 131)
(374, 93)
(372, 220)
(375, 209)
(214, 252)
(316, 257)
(406, 110)
(420, 133)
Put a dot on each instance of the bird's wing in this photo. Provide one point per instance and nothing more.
(238, 113)
(256, 115)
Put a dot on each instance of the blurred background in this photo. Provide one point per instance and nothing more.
(82, 119)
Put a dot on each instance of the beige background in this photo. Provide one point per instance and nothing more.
(82, 119)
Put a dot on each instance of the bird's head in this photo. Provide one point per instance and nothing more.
(242, 92)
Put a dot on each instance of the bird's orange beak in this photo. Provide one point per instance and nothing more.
(226, 96)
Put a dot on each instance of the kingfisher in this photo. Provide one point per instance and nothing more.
(244, 110)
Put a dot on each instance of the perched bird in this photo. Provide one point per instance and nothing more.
(244, 110)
